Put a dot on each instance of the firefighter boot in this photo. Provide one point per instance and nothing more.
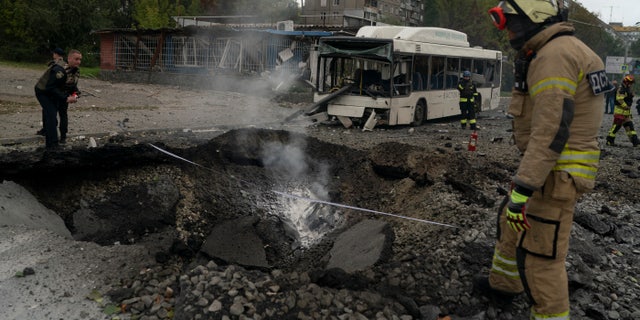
(473, 127)
(481, 285)
(634, 140)
(611, 141)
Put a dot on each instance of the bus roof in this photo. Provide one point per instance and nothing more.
(417, 34)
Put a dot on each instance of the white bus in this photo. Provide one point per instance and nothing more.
(395, 75)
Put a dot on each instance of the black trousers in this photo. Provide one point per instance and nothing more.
(64, 119)
(467, 110)
(49, 106)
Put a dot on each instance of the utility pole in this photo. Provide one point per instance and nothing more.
(610, 13)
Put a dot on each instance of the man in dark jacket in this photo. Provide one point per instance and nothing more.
(50, 93)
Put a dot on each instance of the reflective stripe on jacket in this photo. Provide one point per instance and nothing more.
(621, 106)
(556, 123)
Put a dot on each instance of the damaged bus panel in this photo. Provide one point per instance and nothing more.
(401, 75)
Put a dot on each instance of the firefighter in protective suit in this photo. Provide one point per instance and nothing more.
(557, 108)
(622, 113)
(468, 94)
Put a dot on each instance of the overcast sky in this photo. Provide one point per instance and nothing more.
(625, 11)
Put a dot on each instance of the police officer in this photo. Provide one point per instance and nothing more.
(50, 93)
(58, 58)
(468, 94)
(557, 108)
(71, 88)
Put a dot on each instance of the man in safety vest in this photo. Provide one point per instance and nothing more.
(468, 94)
(557, 107)
(622, 113)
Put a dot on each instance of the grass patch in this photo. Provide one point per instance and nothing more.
(85, 72)
(24, 65)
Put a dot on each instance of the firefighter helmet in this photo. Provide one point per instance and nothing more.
(525, 18)
(628, 79)
(536, 10)
(466, 73)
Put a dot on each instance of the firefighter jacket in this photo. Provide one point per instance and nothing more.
(468, 90)
(624, 100)
(557, 118)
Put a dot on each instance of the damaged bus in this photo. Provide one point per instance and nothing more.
(395, 75)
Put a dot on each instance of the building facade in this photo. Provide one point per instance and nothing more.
(355, 13)
(630, 34)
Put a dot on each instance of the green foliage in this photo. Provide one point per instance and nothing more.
(111, 310)
(471, 17)
(41, 25)
(589, 30)
(634, 49)
(264, 10)
(153, 14)
(28, 26)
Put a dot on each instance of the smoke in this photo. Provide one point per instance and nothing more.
(306, 178)
(285, 160)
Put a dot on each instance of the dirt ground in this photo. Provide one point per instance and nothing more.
(424, 172)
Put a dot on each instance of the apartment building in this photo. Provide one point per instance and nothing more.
(355, 13)
(630, 34)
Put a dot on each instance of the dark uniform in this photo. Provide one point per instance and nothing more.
(70, 87)
(50, 93)
(468, 94)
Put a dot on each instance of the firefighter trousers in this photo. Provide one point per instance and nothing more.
(533, 261)
(468, 113)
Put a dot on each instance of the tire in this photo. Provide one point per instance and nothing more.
(419, 114)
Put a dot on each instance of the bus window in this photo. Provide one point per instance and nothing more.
(400, 80)
(453, 73)
(477, 73)
(466, 65)
(420, 71)
(437, 75)
(492, 72)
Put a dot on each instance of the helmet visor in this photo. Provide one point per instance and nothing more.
(498, 13)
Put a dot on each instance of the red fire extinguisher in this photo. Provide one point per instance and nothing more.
(473, 141)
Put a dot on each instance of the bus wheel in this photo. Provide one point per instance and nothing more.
(419, 114)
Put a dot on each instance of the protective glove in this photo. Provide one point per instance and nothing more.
(516, 209)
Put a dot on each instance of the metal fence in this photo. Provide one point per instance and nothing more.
(246, 52)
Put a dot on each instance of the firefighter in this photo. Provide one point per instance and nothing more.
(468, 94)
(557, 109)
(622, 113)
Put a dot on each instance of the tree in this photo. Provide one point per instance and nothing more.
(590, 30)
(16, 38)
(264, 10)
(153, 14)
(40, 25)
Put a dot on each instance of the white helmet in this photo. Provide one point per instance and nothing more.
(525, 18)
(538, 11)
